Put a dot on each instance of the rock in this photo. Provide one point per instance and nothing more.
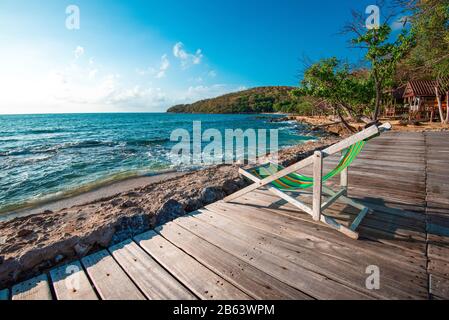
(230, 186)
(24, 232)
(3, 240)
(127, 227)
(115, 202)
(2, 259)
(168, 211)
(192, 204)
(59, 258)
(211, 194)
(133, 194)
(81, 249)
(128, 204)
(48, 212)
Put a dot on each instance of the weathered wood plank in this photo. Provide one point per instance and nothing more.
(251, 280)
(390, 235)
(439, 287)
(439, 268)
(153, 280)
(303, 221)
(195, 276)
(33, 289)
(323, 240)
(109, 279)
(71, 283)
(311, 283)
(351, 273)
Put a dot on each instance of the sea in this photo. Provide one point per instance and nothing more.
(47, 157)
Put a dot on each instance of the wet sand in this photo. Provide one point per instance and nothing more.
(96, 194)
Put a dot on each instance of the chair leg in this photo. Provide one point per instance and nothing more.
(317, 184)
(344, 180)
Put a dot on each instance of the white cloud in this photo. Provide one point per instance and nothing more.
(79, 51)
(200, 92)
(187, 58)
(165, 64)
(158, 72)
(212, 74)
(93, 73)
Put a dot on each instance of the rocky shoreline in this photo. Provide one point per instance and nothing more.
(33, 244)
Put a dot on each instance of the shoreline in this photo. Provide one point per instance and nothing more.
(105, 190)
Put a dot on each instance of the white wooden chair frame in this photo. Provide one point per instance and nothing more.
(316, 211)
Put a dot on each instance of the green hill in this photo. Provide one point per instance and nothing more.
(256, 100)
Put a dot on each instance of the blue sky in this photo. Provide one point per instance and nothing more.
(137, 56)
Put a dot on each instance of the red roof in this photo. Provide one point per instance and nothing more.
(420, 88)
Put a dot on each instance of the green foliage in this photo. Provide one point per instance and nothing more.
(256, 100)
(430, 27)
(297, 105)
(337, 86)
(383, 55)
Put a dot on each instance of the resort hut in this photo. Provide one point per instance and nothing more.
(394, 102)
(422, 100)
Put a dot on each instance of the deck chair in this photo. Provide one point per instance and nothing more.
(280, 180)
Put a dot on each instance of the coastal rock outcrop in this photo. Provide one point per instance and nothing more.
(169, 211)
(211, 194)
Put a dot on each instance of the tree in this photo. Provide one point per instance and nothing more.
(338, 87)
(429, 58)
(382, 54)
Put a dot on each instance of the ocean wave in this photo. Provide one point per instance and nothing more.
(58, 147)
(147, 142)
(42, 131)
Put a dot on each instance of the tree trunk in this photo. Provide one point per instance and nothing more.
(345, 123)
(378, 100)
(447, 107)
(440, 106)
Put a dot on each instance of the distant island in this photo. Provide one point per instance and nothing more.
(255, 100)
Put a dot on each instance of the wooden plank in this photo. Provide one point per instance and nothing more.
(326, 243)
(70, 282)
(4, 294)
(297, 220)
(153, 280)
(439, 287)
(204, 283)
(311, 283)
(249, 279)
(350, 273)
(385, 231)
(109, 279)
(33, 289)
(439, 268)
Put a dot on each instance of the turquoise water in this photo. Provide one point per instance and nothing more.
(49, 156)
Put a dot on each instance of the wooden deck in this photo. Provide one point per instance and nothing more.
(262, 248)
